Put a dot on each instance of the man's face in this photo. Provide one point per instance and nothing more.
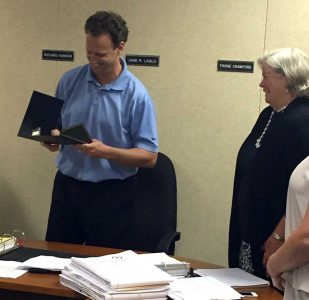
(101, 53)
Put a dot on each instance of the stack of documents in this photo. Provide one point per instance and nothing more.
(117, 276)
(166, 263)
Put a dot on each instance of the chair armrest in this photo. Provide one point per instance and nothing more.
(167, 242)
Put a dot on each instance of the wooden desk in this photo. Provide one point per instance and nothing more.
(47, 286)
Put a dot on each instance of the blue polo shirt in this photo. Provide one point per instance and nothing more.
(120, 114)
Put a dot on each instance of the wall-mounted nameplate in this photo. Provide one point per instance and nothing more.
(235, 66)
(143, 60)
(61, 55)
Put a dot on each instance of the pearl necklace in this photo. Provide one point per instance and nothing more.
(258, 141)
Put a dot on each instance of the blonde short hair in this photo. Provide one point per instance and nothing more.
(293, 63)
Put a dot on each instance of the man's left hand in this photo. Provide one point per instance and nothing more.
(94, 149)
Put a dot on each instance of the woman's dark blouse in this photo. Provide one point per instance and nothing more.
(262, 177)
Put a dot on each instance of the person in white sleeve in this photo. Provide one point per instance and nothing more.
(289, 265)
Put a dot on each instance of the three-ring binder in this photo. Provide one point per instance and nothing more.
(177, 269)
(10, 242)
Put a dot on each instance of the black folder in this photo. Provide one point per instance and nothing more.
(42, 115)
(21, 254)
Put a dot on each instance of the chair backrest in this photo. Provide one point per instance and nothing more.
(155, 207)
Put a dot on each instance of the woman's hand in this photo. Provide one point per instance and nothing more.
(278, 283)
(274, 273)
(270, 247)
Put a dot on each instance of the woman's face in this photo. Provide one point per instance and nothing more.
(274, 86)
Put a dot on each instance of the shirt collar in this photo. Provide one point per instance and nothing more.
(118, 84)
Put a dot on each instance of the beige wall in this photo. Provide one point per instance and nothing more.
(203, 115)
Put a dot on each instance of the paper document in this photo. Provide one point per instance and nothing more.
(197, 288)
(50, 263)
(95, 292)
(166, 263)
(121, 276)
(122, 270)
(158, 258)
(8, 269)
(86, 279)
(233, 277)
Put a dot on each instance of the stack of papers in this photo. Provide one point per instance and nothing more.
(166, 263)
(117, 276)
(234, 277)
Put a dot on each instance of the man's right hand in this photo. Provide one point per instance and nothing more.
(52, 147)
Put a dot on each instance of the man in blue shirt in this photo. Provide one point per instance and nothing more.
(94, 187)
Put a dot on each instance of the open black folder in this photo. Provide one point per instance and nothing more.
(42, 115)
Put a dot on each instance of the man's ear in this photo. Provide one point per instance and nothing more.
(121, 46)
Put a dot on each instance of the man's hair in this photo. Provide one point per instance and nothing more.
(293, 63)
(107, 22)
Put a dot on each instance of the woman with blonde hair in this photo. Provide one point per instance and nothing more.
(278, 142)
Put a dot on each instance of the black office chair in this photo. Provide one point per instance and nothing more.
(155, 208)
